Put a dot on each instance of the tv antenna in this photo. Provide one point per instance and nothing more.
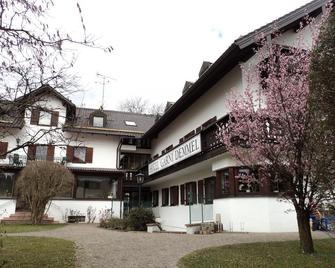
(105, 80)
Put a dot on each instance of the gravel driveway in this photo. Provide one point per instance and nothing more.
(98, 247)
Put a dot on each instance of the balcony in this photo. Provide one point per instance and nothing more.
(19, 160)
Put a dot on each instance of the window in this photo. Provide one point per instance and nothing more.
(130, 123)
(95, 187)
(79, 154)
(174, 196)
(41, 152)
(155, 198)
(6, 184)
(165, 197)
(44, 118)
(209, 190)
(133, 161)
(98, 121)
(247, 181)
(225, 181)
(191, 193)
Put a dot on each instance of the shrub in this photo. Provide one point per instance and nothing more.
(39, 182)
(138, 219)
(114, 224)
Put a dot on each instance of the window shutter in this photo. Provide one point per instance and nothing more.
(3, 149)
(194, 192)
(31, 152)
(89, 155)
(69, 153)
(54, 119)
(35, 114)
(174, 196)
(51, 152)
(201, 191)
(182, 194)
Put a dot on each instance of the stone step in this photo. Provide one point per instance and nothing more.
(24, 217)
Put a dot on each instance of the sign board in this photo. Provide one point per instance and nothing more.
(178, 154)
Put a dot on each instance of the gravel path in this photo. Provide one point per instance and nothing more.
(98, 247)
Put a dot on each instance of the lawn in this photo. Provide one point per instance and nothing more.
(37, 252)
(272, 254)
(21, 228)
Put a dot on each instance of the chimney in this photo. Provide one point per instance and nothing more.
(204, 67)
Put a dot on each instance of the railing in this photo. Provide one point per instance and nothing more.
(18, 160)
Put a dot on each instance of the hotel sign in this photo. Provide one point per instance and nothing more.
(180, 153)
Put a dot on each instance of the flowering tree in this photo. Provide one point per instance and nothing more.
(272, 129)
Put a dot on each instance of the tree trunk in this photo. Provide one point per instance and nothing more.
(305, 235)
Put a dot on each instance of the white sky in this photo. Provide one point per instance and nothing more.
(158, 45)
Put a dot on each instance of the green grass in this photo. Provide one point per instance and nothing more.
(22, 228)
(37, 252)
(274, 254)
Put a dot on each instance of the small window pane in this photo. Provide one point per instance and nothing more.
(155, 198)
(79, 154)
(6, 184)
(41, 152)
(247, 181)
(165, 197)
(225, 182)
(90, 187)
(130, 123)
(45, 118)
(98, 121)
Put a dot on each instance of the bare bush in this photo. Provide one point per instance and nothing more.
(39, 182)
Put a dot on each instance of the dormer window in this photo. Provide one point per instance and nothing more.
(44, 118)
(98, 121)
(130, 123)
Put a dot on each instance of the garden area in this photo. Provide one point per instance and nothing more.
(272, 254)
(36, 252)
(19, 251)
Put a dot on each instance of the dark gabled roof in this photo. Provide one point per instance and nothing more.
(43, 90)
(10, 115)
(240, 50)
(115, 123)
(285, 22)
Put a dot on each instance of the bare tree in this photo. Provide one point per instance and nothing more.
(134, 105)
(39, 182)
(141, 106)
(33, 54)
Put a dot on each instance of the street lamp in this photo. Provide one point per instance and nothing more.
(140, 180)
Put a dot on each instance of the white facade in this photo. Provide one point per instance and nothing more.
(238, 214)
(61, 209)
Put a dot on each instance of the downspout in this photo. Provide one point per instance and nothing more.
(118, 154)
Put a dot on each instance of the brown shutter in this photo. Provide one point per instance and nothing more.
(35, 114)
(194, 191)
(54, 119)
(69, 153)
(51, 152)
(174, 196)
(89, 155)
(182, 194)
(31, 152)
(200, 191)
(3, 149)
(218, 184)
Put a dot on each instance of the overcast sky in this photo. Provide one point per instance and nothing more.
(158, 45)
